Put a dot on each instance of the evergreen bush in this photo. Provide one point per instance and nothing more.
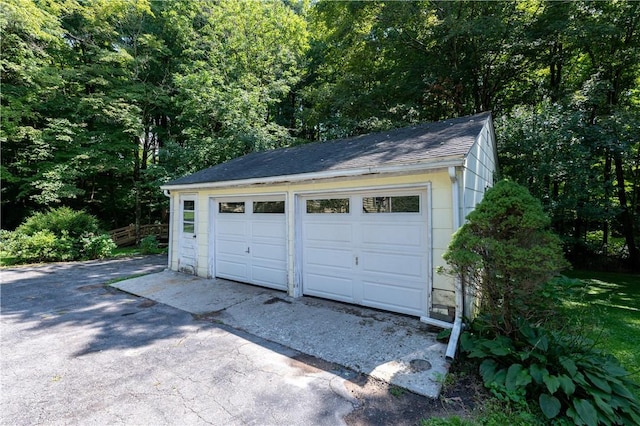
(527, 356)
(505, 254)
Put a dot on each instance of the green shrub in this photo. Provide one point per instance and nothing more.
(42, 246)
(61, 220)
(505, 254)
(60, 234)
(149, 245)
(563, 373)
(97, 246)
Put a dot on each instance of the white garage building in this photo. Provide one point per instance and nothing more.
(363, 220)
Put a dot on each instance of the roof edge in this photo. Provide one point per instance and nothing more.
(302, 177)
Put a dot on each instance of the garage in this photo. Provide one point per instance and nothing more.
(367, 248)
(250, 244)
(363, 220)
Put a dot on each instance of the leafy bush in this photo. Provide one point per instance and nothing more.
(60, 234)
(505, 253)
(149, 245)
(97, 246)
(563, 373)
(60, 221)
(42, 246)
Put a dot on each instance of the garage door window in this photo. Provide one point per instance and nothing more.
(401, 204)
(268, 206)
(330, 205)
(231, 207)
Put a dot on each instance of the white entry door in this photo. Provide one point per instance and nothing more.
(187, 244)
(367, 248)
(250, 241)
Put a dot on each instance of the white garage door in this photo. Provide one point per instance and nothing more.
(369, 248)
(250, 241)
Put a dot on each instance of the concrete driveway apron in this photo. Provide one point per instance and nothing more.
(397, 349)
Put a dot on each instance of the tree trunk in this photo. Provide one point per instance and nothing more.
(607, 202)
(625, 216)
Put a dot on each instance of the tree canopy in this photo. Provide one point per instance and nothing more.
(102, 101)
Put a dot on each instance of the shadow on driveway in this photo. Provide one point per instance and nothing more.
(77, 351)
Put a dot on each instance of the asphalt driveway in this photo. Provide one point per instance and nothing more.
(77, 351)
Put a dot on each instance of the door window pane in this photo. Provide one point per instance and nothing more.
(268, 206)
(188, 216)
(236, 207)
(402, 204)
(331, 205)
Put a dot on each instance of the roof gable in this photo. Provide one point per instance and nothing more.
(409, 145)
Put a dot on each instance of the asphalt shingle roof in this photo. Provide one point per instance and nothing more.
(409, 145)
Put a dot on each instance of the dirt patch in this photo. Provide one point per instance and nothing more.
(90, 287)
(383, 404)
(147, 303)
(380, 403)
(276, 300)
(208, 316)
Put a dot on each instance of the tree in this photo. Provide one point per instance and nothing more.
(241, 61)
(376, 65)
(505, 253)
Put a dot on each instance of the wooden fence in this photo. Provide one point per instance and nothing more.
(127, 236)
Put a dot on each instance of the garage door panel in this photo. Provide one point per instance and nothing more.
(331, 232)
(232, 270)
(227, 246)
(271, 277)
(230, 229)
(392, 234)
(268, 230)
(329, 257)
(393, 265)
(251, 247)
(393, 297)
(263, 251)
(375, 258)
(332, 287)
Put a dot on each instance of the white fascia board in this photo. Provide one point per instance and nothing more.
(407, 168)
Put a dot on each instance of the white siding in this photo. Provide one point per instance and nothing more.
(480, 168)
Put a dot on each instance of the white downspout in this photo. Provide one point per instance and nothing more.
(167, 193)
(457, 323)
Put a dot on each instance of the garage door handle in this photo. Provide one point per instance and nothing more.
(248, 250)
(356, 260)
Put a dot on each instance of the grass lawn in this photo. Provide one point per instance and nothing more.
(613, 304)
(610, 309)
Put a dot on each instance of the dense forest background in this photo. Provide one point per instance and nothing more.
(104, 100)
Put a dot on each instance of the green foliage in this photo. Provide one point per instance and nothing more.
(97, 246)
(493, 412)
(41, 246)
(610, 309)
(506, 254)
(562, 372)
(57, 235)
(104, 101)
(60, 221)
(149, 245)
